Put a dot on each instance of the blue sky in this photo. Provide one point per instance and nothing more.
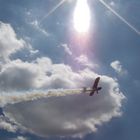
(43, 53)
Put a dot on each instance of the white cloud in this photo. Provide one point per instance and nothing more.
(19, 75)
(6, 125)
(62, 114)
(9, 43)
(84, 61)
(21, 138)
(71, 114)
(117, 66)
(40, 73)
(66, 48)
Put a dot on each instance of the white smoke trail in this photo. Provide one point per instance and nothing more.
(120, 17)
(52, 10)
(11, 98)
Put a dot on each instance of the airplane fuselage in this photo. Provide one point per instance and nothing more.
(94, 88)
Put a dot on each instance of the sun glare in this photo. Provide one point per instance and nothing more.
(81, 16)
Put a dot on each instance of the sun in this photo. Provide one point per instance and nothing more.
(81, 16)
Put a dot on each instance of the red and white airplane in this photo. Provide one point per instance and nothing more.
(94, 88)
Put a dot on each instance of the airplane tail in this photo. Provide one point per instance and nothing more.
(99, 88)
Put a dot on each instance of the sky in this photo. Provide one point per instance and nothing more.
(50, 50)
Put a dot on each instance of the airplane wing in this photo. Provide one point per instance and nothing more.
(91, 93)
(95, 85)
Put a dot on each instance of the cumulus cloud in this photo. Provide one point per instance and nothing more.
(70, 114)
(117, 66)
(18, 75)
(40, 73)
(57, 112)
(9, 43)
(7, 125)
(84, 61)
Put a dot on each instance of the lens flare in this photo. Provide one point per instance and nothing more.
(81, 16)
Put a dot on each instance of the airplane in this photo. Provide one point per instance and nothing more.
(94, 88)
